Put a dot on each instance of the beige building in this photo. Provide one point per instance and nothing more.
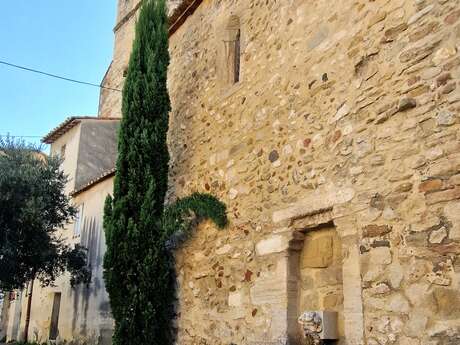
(82, 314)
(331, 131)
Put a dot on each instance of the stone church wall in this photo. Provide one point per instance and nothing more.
(345, 121)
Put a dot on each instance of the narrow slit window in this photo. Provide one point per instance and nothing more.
(232, 42)
(63, 148)
(237, 57)
(78, 221)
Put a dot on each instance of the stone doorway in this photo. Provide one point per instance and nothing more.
(320, 284)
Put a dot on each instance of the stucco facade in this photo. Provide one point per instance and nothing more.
(80, 314)
(84, 313)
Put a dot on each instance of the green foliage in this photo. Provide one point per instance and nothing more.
(33, 207)
(184, 214)
(138, 265)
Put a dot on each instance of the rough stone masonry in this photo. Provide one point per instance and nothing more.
(338, 155)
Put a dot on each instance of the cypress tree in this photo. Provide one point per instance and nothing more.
(138, 264)
(138, 280)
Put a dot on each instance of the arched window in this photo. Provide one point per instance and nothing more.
(233, 50)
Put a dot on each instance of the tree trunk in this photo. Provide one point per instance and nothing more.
(29, 307)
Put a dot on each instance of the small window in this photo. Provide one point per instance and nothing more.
(233, 50)
(78, 221)
(63, 147)
(237, 57)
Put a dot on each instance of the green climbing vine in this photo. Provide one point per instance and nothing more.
(182, 216)
(140, 232)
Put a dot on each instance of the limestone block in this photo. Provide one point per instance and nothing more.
(278, 326)
(236, 313)
(445, 118)
(417, 269)
(437, 236)
(317, 252)
(373, 230)
(374, 303)
(380, 256)
(224, 249)
(408, 341)
(373, 273)
(317, 200)
(448, 195)
(448, 301)
(396, 275)
(324, 278)
(271, 245)
(417, 322)
(232, 194)
(269, 291)
(341, 112)
(448, 329)
(420, 14)
(397, 304)
(318, 37)
(443, 54)
(452, 212)
(353, 301)
(430, 73)
(379, 289)
(331, 301)
(235, 299)
(420, 295)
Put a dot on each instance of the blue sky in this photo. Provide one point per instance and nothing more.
(70, 38)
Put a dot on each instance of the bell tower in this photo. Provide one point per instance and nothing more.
(124, 29)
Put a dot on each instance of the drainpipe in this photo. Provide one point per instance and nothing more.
(29, 307)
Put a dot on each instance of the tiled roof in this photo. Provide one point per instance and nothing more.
(68, 124)
(181, 13)
(105, 175)
(181, 10)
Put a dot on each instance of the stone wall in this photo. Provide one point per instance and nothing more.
(346, 116)
(110, 100)
(347, 111)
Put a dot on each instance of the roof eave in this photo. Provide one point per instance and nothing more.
(68, 124)
(104, 176)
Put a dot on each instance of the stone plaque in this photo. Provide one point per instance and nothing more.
(317, 252)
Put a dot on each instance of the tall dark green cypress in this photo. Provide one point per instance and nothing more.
(138, 278)
(138, 265)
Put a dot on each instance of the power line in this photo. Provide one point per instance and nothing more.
(56, 76)
(20, 136)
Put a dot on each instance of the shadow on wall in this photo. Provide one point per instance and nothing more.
(90, 301)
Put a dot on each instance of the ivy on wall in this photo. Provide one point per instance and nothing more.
(140, 232)
(181, 217)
